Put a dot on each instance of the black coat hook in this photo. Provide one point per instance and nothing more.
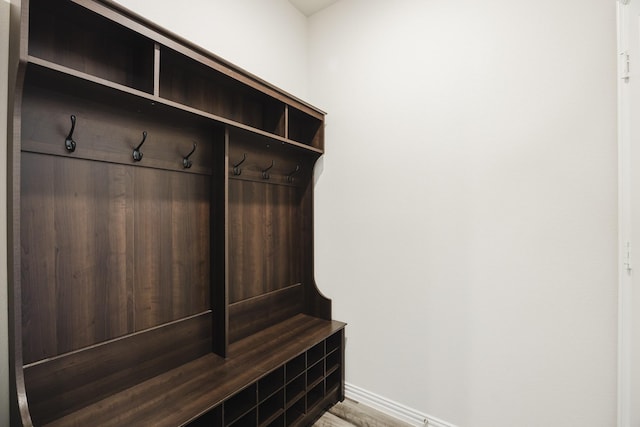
(265, 172)
(186, 162)
(69, 143)
(290, 176)
(137, 154)
(236, 167)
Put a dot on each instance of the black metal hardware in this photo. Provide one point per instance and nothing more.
(137, 154)
(69, 143)
(290, 176)
(265, 172)
(236, 167)
(186, 162)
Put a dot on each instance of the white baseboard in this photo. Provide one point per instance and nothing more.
(394, 409)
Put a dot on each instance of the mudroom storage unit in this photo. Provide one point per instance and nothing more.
(161, 239)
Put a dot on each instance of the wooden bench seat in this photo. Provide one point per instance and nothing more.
(180, 395)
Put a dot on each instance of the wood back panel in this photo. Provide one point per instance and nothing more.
(264, 238)
(75, 247)
(191, 83)
(62, 385)
(109, 130)
(255, 314)
(107, 250)
(110, 246)
(172, 245)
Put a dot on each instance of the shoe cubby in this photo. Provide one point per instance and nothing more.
(295, 414)
(237, 407)
(295, 367)
(295, 390)
(293, 393)
(270, 409)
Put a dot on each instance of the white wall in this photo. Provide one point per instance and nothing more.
(466, 211)
(466, 207)
(266, 38)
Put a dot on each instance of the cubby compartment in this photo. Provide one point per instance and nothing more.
(295, 413)
(305, 128)
(271, 408)
(315, 353)
(237, 406)
(333, 380)
(333, 342)
(213, 418)
(315, 374)
(278, 422)
(295, 390)
(332, 361)
(247, 420)
(315, 394)
(67, 34)
(295, 367)
(271, 383)
(191, 83)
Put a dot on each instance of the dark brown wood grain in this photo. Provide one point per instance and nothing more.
(305, 129)
(191, 83)
(171, 246)
(75, 241)
(85, 377)
(108, 128)
(219, 238)
(264, 238)
(100, 237)
(64, 33)
(254, 314)
(180, 395)
(131, 278)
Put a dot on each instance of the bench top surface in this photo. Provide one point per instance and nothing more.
(180, 395)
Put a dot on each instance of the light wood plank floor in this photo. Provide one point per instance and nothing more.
(351, 413)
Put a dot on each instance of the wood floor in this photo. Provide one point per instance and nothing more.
(351, 413)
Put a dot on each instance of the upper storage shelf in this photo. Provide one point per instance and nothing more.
(82, 40)
(67, 34)
(192, 83)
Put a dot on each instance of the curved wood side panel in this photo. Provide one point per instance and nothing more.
(315, 302)
(17, 69)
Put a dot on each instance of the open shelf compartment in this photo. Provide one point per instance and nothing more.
(189, 82)
(69, 35)
(305, 128)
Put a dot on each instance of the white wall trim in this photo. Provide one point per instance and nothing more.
(394, 409)
(624, 225)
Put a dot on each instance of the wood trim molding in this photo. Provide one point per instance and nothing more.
(392, 408)
(624, 227)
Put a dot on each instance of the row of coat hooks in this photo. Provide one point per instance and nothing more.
(137, 154)
(265, 172)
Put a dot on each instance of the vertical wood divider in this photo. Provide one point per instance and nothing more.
(286, 121)
(220, 244)
(156, 69)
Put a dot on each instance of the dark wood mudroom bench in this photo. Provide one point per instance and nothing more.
(161, 261)
(288, 372)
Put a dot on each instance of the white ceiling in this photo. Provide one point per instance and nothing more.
(309, 7)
